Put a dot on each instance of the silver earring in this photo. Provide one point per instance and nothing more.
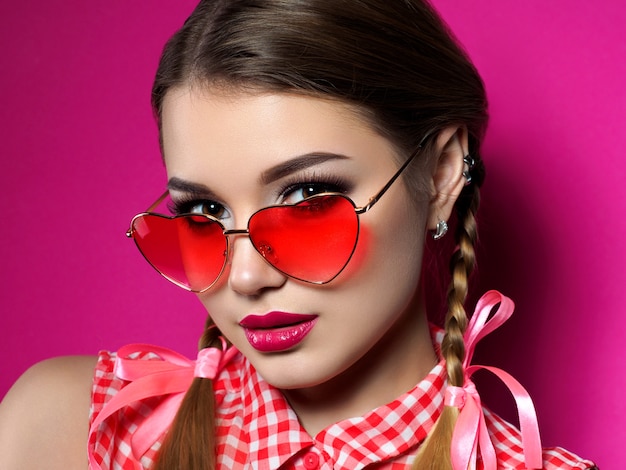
(469, 162)
(441, 230)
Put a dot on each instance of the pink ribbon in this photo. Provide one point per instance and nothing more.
(470, 433)
(170, 375)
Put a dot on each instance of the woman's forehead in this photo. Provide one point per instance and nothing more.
(262, 129)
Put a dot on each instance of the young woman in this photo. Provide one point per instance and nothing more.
(312, 148)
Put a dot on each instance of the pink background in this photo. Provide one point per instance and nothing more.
(80, 158)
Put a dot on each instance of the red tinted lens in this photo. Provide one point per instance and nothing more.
(188, 250)
(311, 241)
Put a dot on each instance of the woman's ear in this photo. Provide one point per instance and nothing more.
(447, 174)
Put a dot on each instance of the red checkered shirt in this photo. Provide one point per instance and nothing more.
(256, 428)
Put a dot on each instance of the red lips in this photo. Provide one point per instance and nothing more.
(277, 331)
(275, 320)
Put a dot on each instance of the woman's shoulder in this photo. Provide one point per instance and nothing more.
(44, 416)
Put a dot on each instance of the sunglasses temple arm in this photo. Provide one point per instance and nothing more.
(129, 232)
(158, 201)
(374, 199)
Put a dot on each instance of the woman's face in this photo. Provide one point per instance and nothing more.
(299, 335)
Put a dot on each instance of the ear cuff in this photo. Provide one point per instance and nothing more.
(468, 166)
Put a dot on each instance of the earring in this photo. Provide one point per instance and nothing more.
(441, 230)
(469, 164)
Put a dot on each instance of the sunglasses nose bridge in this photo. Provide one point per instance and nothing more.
(242, 231)
(229, 246)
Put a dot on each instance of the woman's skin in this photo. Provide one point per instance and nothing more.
(44, 419)
(370, 342)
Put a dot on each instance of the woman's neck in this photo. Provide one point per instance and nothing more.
(403, 357)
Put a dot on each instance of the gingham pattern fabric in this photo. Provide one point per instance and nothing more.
(256, 428)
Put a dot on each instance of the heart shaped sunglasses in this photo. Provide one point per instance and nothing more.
(311, 241)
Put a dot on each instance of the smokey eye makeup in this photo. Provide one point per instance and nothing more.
(300, 188)
(292, 190)
(191, 204)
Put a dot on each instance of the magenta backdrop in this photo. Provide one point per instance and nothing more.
(80, 157)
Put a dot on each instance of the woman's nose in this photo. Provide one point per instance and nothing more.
(249, 273)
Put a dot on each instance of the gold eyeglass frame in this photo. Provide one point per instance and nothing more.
(228, 232)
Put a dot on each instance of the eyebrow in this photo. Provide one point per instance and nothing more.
(299, 163)
(189, 187)
(296, 164)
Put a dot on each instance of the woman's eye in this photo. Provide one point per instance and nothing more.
(212, 208)
(208, 208)
(304, 191)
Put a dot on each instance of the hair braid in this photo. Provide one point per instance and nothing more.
(462, 265)
(435, 451)
(190, 442)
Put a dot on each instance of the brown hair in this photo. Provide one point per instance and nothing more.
(396, 62)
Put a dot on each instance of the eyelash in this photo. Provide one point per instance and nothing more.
(332, 183)
(185, 203)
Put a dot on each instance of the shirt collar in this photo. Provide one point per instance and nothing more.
(389, 430)
(274, 433)
(382, 434)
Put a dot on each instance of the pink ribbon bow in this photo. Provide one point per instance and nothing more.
(470, 433)
(170, 375)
